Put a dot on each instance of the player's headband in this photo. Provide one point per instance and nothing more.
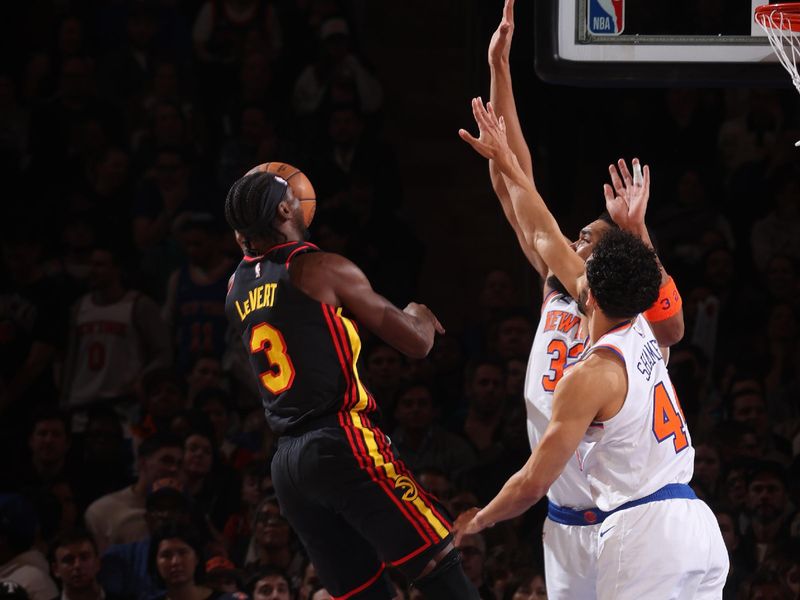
(273, 194)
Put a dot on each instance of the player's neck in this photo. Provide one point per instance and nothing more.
(600, 324)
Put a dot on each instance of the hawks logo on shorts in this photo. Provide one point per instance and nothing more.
(410, 489)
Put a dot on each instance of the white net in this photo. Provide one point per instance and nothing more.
(785, 42)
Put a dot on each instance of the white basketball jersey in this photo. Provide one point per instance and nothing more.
(646, 445)
(109, 352)
(556, 346)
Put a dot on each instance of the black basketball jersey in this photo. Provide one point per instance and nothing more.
(303, 352)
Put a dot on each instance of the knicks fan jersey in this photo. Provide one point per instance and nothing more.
(109, 350)
(302, 351)
(557, 345)
(646, 445)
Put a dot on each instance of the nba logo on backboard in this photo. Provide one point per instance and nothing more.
(606, 17)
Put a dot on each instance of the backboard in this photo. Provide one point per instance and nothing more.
(653, 43)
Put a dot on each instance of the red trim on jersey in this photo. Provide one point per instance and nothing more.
(330, 318)
(363, 586)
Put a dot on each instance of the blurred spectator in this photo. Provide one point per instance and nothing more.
(270, 583)
(75, 564)
(383, 371)
(256, 141)
(175, 559)
(212, 485)
(256, 485)
(747, 406)
(216, 405)
(224, 30)
(116, 334)
(125, 73)
(205, 373)
(73, 125)
(105, 456)
(271, 544)
(769, 512)
(195, 298)
(222, 575)
(48, 442)
(707, 469)
(164, 396)
(740, 564)
(779, 230)
(513, 335)
(336, 66)
(422, 442)
(119, 517)
(33, 310)
(765, 585)
(481, 418)
(527, 585)
(125, 567)
(473, 557)
(20, 562)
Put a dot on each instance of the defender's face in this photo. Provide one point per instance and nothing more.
(588, 237)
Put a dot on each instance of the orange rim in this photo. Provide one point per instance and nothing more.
(788, 11)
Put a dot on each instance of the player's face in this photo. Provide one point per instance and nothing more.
(583, 296)
(588, 237)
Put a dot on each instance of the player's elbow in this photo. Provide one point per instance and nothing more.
(669, 332)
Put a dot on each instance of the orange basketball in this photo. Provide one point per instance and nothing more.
(297, 180)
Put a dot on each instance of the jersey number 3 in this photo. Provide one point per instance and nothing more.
(668, 422)
(280, 375)
(557, 349)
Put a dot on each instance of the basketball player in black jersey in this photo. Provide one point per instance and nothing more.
(340, 483)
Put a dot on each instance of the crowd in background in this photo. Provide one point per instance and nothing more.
(135, 454)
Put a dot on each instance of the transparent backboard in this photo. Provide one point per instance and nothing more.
(653, 42)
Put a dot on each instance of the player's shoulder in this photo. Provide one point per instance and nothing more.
(600, 364)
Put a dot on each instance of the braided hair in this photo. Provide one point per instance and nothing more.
(251, 205)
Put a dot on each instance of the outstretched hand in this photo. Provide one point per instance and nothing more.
(500, 44)
(466, 524)
(626, 202)
(491, 142)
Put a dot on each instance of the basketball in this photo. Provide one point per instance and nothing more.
(297, 180)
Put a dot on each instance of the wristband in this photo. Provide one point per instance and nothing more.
(669, 303)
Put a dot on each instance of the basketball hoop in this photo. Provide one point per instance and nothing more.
(781, 23)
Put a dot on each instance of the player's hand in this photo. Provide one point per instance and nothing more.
(466, 524)
(491, 142)
(422, 312)
(500, 44)
(626, 202)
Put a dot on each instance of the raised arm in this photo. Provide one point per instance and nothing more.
(538, 226)
(334, 280)
(502, 99)
(626, 202)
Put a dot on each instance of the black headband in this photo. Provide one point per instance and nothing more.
(273, 195)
